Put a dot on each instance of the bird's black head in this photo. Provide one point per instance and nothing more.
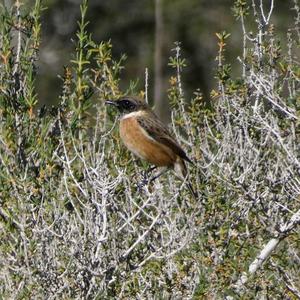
(128, 104)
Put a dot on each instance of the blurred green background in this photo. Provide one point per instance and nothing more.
(131, 27)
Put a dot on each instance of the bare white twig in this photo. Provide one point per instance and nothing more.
(19, 38)
(267, 250)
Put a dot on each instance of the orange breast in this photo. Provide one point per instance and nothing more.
(137, 140)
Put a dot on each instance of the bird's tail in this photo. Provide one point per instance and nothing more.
(181, 171)
(195, 195)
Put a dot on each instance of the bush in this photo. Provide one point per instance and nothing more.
(76, 224)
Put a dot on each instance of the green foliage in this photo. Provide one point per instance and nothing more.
(240, 8)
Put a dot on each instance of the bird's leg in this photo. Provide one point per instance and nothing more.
(146, 175)
(150, 170)
(147, 181)
(164, 170)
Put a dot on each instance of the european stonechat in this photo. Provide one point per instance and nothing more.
(148, 138)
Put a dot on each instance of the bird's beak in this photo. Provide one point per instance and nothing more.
(110, 102)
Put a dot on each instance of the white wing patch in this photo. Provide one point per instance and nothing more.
(148, 135)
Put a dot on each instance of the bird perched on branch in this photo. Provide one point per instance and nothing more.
(148, 138)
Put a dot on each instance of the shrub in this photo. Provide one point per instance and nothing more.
(76, 224)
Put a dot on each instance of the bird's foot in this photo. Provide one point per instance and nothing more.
(141, 184)
(147, 176)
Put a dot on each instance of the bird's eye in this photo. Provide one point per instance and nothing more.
(127, 103)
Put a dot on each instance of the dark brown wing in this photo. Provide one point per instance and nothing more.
(159, 132)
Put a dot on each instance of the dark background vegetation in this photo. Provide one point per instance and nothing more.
(130, 25)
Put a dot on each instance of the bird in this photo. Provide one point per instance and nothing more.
(146, 136)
